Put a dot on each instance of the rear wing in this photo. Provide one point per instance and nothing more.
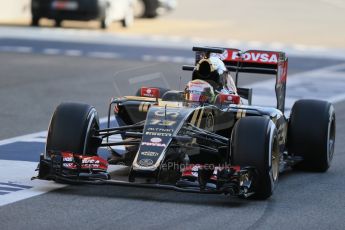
(251, 61)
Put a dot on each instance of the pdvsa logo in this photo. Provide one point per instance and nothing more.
(269, 58)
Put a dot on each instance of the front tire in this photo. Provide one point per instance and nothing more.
(255, 143)
(71, 129)
(311, 134)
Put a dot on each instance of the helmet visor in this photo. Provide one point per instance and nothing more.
(196, 96)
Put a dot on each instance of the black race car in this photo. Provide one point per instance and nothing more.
(106, 11)
(225, 147)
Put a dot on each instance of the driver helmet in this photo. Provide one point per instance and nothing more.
(199, 91)
(214, 70)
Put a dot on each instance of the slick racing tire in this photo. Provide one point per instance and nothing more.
(162, 91)
(71, 129)
(58, 23)
(311, 134)
(151, 7)
(35, 20)
(255, 144)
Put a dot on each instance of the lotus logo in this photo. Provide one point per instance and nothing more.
(146, 162)
(156, 140)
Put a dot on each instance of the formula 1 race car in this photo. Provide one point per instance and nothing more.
(225, 146)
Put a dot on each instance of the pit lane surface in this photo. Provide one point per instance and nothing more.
(33, 84)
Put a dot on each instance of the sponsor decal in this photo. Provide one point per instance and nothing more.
(260, 57)
(195, 170)
(222, 56)
(86, 162)
(149, 92)
(69, 165)
(170, 114)
(90, 161)
(162, 122)
(146, 162)
(149, 154)
(158, 134)
(161, 130)
(68, 159)
(156, 140)
(229, 99)
(153, 144)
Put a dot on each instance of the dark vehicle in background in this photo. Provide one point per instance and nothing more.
(151, 8)
(106, 11)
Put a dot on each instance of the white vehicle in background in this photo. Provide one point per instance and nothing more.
(152, 8)
(106, 11)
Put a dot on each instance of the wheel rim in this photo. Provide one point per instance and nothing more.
(331, 139)
(89, 131)
(275, 157)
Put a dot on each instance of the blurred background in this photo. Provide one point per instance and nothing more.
(305, 22)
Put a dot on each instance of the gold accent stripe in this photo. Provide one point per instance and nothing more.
(195, 115)
(146, 107)
(239, 113)
(244, 113)
(200, 118)
(141, 106)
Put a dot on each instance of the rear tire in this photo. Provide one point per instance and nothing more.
(35, 20)
(255, 143)
(151, 7)
(58, 23)
(71, 129)
(311, 134)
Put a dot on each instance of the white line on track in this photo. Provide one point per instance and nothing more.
(144, 78)
(97, 37)
(20, 172)
(105, 55)
(16, 49)
(73, 53)
(51, 51)
(167, 59)
(23, 49)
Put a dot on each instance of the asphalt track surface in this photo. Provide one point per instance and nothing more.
(32, 85)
